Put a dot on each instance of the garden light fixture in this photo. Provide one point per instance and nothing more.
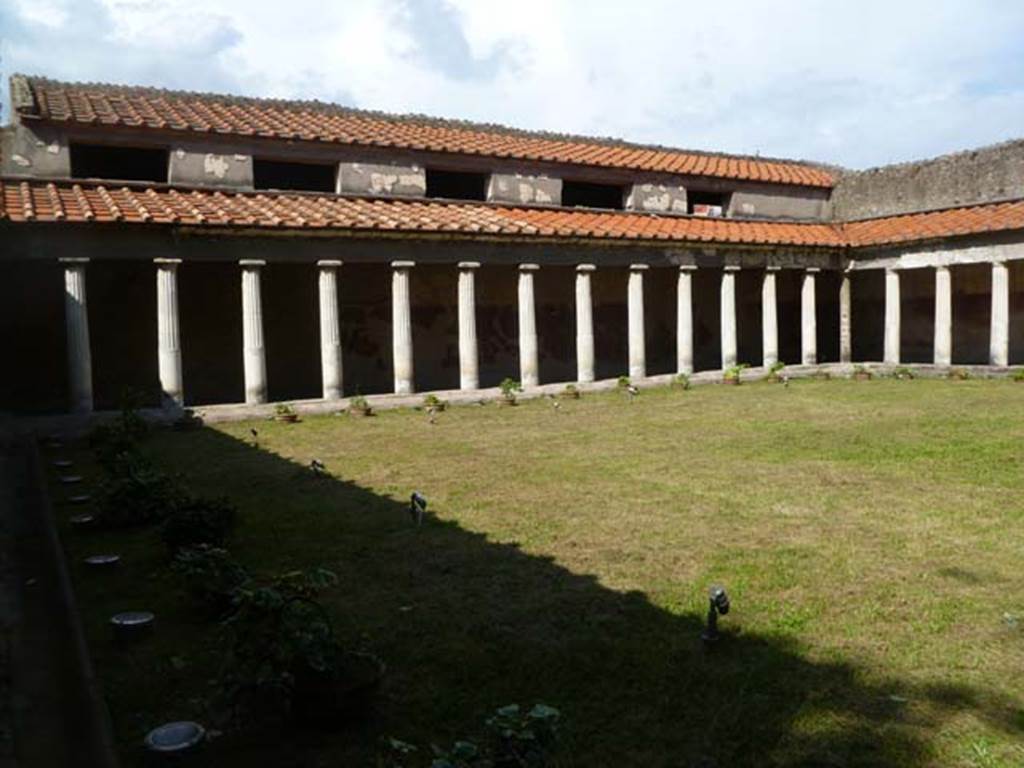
(417, 507)
(718, 604)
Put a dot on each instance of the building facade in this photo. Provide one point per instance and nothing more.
(208, 249)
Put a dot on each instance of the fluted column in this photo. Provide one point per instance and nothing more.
(637, 339)
(469, 363)
(401, 327)
(254, 355)
(168, 333)
(528, 368)
(892, 317)
(584, 324)
(999, 334)
(331, 369)
(684, 319)
(943, 347)
(76, 321)
(769, 318)
(728, 313)
(808, 318)
(845, 320)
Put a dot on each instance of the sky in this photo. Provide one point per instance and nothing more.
(854, 83)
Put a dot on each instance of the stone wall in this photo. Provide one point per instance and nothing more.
(194, 166)
(520, 188)
(980, 175)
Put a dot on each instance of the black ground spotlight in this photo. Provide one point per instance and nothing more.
(417, 507)
(718, 604)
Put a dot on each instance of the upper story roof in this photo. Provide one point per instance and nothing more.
(42, 99)
(27, 201)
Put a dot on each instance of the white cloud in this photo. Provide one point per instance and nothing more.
(855, 84)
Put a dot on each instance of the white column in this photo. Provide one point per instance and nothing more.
(999, 335)
(168, 333)
(637, 340)
(769, 318)
(331, 370)
(528, 376)
(469, 363)
(584, 324)
(76, 320)
(809, 318)
(729, 316)
(684, 319)
(254, 356)
(892, 317)
(845, 320)
(401, 327)
(943, 347)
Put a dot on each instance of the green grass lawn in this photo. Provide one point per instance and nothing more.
(870, 534)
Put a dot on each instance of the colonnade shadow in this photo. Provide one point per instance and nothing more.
(466, 624)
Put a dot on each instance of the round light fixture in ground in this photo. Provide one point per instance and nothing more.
(175, 738)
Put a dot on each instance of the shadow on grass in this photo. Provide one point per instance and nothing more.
(466, 625)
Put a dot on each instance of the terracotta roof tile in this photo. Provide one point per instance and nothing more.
(205, 113)
(80, 202)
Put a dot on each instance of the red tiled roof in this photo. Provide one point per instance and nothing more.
(39, 201)
(133, 107)
(42, 201)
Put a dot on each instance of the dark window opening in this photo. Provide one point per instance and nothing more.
(589, 195)
(310, 177)
(120, 163)
(456, 185)
(707, 203)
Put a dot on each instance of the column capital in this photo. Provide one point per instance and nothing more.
(252, 263)
(998, 262)
(731, 267)
(812, 270)
(329, 263)
(687, 267)
(73, 260)
(639, 267)
(893, 269)
(469, 265)
(529, 267)
(403, 264)
(772, 268)
(162, 262)
(586, 267)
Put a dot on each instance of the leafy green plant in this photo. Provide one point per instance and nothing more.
(681, 380)
(136, 494)
(1019, 376)
(196, 521)
(733, 372)
(513, 738)
(285, 412)
(623, 382)
(282, 637)
(775, 371)
(509, 387)
(903, 373)
(360, 406)
(434, 402)
(571, 391)
(959, 374)
(210, 576)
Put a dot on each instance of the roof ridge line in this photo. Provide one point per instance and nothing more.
(431, 120)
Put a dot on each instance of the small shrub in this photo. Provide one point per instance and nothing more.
(508, 388)
(210, 576)
(732, 373)
(681, 380)
(959, 374)
(137, 494)
(280, 636)
(571, 391)
(903, 373)
(198, 521)
(775, 371)
(1018, 376)
(360, 406)
(434, 402)
(623, 382)
(861, 373)
(285, 412)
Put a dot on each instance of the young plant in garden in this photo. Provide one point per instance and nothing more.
(360, 406)
(210, 576)
(731, 375)
(682, 381)
(433, 402)
(509, 387)
(196, 521)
